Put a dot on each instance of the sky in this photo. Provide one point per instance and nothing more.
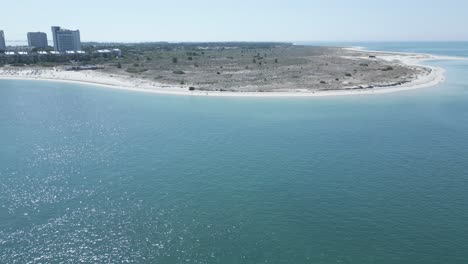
(241, 20)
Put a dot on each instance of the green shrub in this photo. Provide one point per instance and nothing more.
(135, 70)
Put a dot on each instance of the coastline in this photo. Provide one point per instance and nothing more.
(100, 79)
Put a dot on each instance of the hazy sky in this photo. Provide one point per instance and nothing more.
(249, 20)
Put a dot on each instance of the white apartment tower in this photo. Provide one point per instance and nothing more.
(2, 41)
(37, 39)
(66, 40)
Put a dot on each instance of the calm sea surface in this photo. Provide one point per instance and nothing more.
(95, 175)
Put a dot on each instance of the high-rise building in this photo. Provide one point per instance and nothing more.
(54, 36)
(66, 40)
(37, 39)
(2, 41)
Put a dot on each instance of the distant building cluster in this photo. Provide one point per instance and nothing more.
(66, 48)
(65, 40)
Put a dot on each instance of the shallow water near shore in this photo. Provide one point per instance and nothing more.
(107, 176)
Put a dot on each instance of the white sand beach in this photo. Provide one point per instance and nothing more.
(435, 77)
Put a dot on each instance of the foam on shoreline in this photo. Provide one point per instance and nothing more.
(95, 78)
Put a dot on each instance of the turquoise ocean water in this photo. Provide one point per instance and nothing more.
(95, 175)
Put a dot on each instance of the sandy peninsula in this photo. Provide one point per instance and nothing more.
(327, 72)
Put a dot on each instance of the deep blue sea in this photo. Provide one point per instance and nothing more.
(95, 175)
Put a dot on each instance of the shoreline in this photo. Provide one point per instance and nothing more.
(99, 79)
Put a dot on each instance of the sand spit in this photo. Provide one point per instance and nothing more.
(433, 77)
